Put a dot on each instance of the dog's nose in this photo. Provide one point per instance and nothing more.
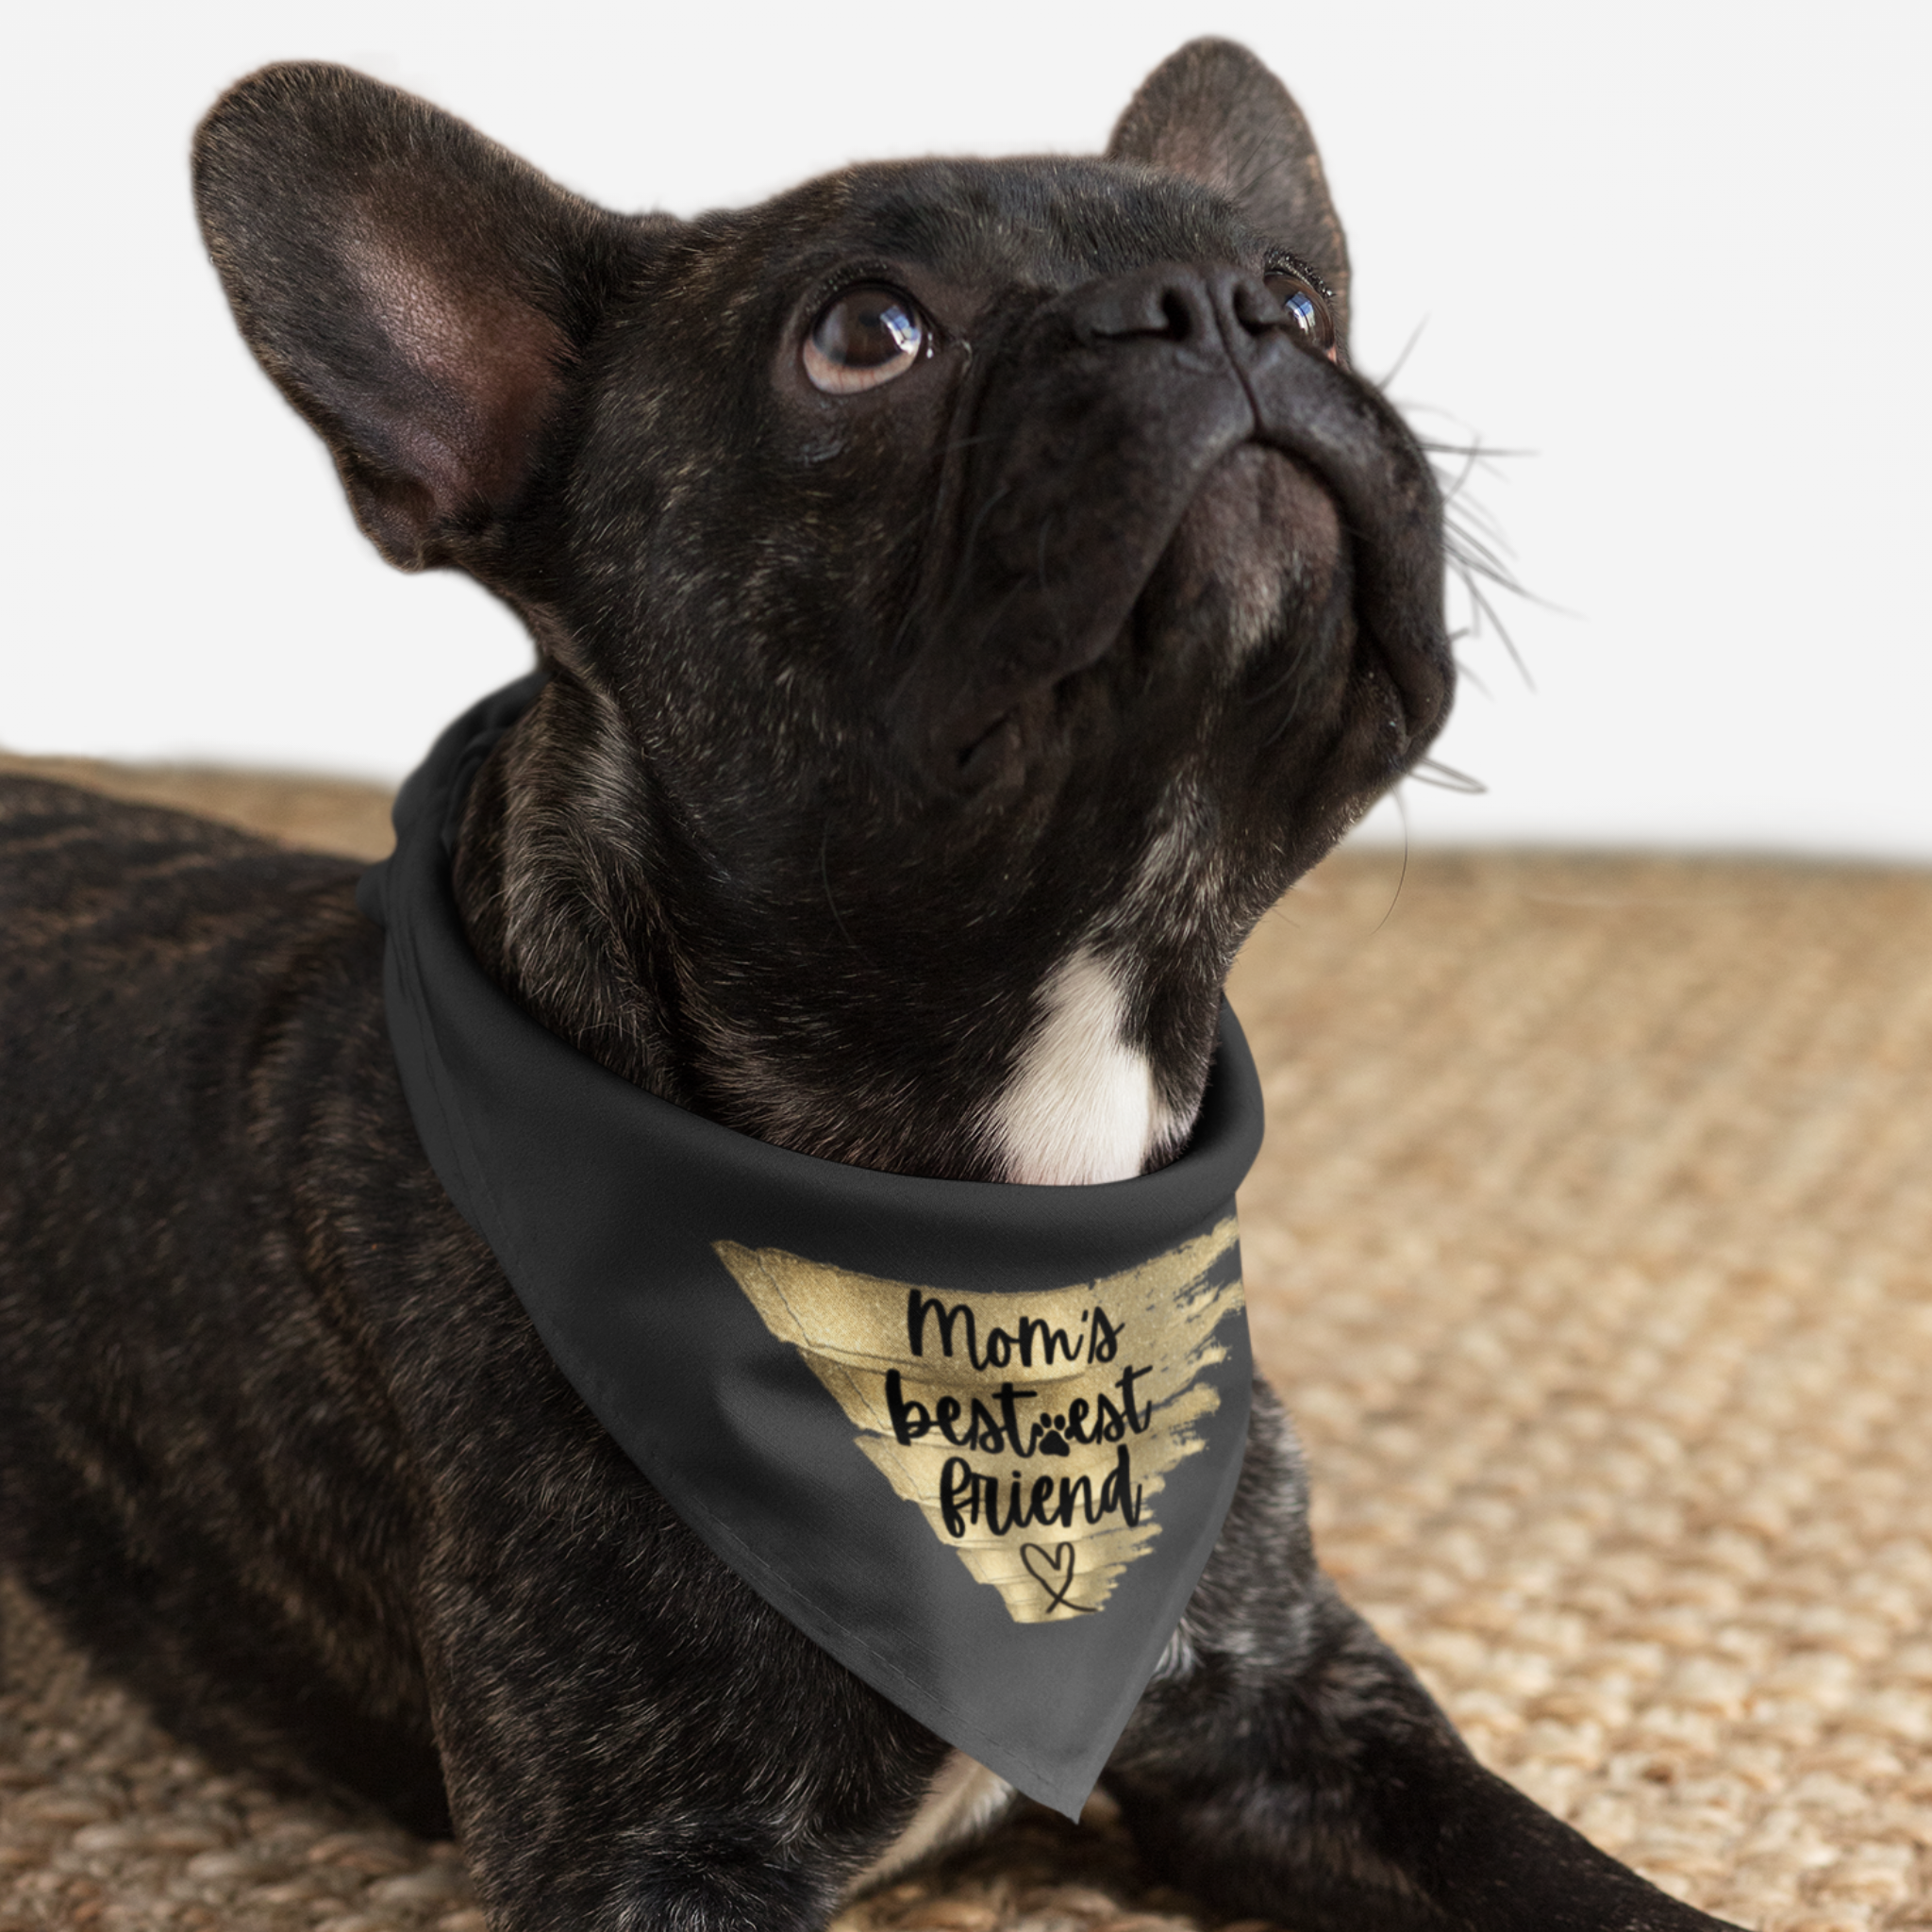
(1187, 307)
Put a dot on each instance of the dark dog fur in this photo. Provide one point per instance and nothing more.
(891, 727)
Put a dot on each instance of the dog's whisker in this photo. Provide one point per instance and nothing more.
(825, 880)
(1415, 335)
(1432, 771)
(1401, 805)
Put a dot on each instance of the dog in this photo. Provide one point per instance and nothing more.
(970, 593)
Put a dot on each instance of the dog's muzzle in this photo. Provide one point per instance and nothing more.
(1087, 448)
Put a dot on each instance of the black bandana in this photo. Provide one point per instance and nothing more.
(975, 1439)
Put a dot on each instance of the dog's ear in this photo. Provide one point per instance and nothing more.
(415, 291)
(1214, 113)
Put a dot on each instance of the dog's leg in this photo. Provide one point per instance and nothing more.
(1285, 1762)
(631, 1739)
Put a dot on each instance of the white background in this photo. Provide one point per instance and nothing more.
(1677, 251)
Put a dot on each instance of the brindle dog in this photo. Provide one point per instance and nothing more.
(973, 591)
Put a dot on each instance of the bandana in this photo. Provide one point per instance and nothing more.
(974, 1439)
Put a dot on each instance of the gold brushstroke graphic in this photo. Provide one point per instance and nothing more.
(1034, 1431)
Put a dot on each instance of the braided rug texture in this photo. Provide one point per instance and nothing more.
(1591, 1247)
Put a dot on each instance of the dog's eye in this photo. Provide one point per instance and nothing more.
(1307, 309)
(865, 338)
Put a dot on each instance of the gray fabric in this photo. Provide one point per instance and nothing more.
(740, 1319)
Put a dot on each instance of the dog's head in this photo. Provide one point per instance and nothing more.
(976, 589)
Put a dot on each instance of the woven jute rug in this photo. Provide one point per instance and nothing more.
(1591, 1246)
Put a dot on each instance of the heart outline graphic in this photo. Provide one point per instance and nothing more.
(1063, 1553)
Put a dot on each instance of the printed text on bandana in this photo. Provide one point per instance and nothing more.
(1033, 1431)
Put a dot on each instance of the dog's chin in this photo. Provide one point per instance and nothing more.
(1257, 567)
(1258, 557)
(1256, 564)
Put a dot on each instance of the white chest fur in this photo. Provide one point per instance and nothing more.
(1081, 1105)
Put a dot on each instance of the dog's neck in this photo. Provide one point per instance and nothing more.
(569, 902)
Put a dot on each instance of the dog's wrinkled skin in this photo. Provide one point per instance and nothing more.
(915, 760)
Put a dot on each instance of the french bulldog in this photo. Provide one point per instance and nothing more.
(972, 592)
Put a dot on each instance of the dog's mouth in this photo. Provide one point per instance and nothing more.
(1259, 536)
(1263, 581)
